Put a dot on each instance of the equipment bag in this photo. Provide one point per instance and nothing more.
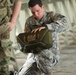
(35, 42)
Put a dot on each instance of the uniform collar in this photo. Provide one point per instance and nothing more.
(42, 19)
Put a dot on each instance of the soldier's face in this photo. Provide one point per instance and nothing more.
(37, 11)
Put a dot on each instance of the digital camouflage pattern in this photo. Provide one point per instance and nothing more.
(5, 14)
(47, 58)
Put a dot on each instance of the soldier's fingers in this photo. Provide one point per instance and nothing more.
(32, 30)
(36, 30)
(41, 28)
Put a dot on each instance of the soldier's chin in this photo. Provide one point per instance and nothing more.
(38, 18)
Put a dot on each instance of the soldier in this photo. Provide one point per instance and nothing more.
(7, 23)
(44, 61)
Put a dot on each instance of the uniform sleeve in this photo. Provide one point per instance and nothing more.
(58, 24)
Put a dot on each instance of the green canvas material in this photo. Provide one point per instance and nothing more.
(35, 42)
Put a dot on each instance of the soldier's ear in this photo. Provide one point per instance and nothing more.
(42, 6)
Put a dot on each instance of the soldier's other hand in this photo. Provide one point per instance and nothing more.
(11, 26)
(38, 29)
(24, 29)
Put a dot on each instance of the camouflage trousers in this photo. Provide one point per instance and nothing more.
(4, 53)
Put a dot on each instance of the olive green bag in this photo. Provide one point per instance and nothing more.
(35, 42)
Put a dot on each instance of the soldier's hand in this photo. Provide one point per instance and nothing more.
(38, 29)
(11, 26)
(24, 29)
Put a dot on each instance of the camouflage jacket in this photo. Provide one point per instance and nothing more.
(5, 15)
(4, 11)
(56, 23)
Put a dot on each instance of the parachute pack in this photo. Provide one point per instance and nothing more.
(35, 42)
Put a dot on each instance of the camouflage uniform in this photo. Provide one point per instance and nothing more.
(48, 58)
(5, 15)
